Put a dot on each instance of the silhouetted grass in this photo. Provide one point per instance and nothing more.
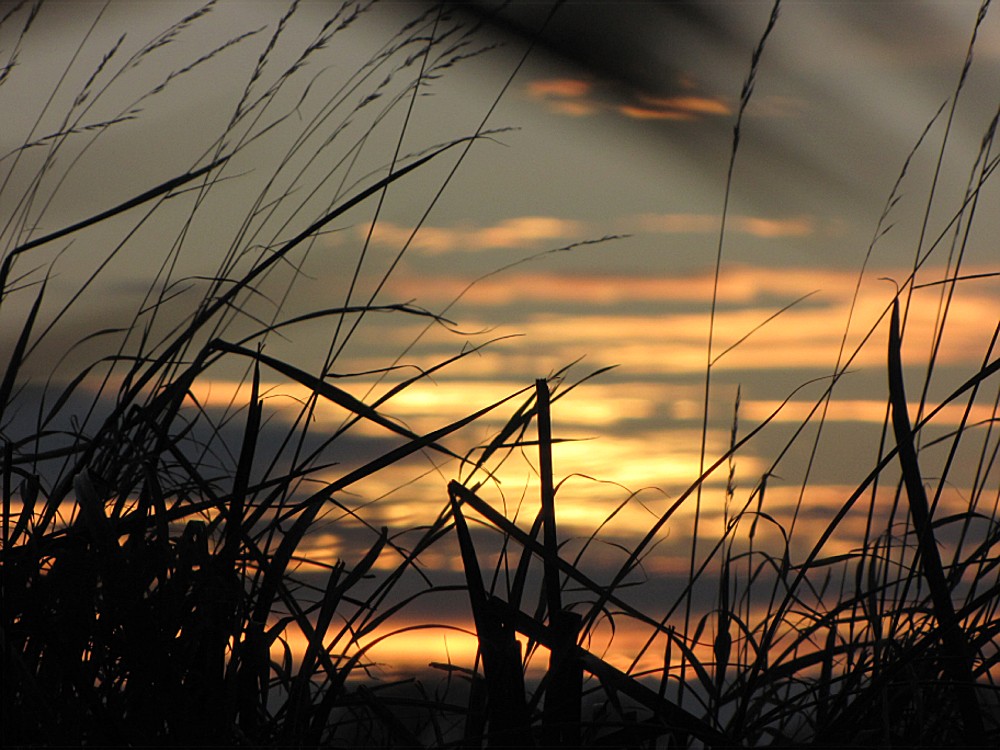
(153, 580)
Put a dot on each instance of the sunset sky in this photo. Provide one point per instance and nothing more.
(620, 123)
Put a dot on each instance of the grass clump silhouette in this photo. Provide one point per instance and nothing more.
(154, 581)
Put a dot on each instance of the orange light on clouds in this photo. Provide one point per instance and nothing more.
(531, 231)
(403, 652)
(417, 649)
(573, 108)
(773, 228)
(559, 87)
(431, 404)
(737, 284)
(580, 512)
(692, 104)
(630, 462)
(565, 96)
(647, 113)
(808, 335)
(404, 648)
(521, 231)
(603, 406)
(675, 108)
(577, 97)
(321, 546)
(862, 410)
(755, 226)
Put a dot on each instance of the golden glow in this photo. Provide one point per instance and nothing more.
(648, 113)
(806, 336)
(449, 400)
(518, 232)
(559, 87)
(755, 226)
(405, 647)
(630, 461)
(320, 546)
(572, 108)
(694, 104)
(657, 170)
(428, 405)
(417, 649)
(860, 410)
(737, 283)
(772, 228)
(577, 97)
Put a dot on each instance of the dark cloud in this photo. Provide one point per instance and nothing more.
(635, 44)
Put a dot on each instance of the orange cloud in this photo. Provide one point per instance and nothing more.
(576, 97)
(700, 104)
(559, 87)
(675, 108)
(528, 231)
(565, 96)
(755, 226)
(804, 337)
(861, 410)
(772, 228)
(573, 108)
(737, 284)
(646, 113)
(808, 335)
(521, 231)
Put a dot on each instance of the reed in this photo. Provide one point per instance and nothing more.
(155, 590)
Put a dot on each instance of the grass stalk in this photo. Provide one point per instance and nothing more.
(957, 661)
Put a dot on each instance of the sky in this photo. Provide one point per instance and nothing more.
(584, 229)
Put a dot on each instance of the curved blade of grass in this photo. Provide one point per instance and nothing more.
(314, 314)
(779, 612)
(328, 391)
(17, 354)
(957, 662)
(138, 200)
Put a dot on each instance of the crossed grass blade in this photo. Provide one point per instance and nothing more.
(668, 716)
(675, 718)
(508, 723)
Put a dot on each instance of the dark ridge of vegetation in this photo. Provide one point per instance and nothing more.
(153, 581)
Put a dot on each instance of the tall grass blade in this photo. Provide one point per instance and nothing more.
(241, 481)
(508, 721)
(550, 537)
(957, 663)
(563, 692)
(328, 391)
(17, 354)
